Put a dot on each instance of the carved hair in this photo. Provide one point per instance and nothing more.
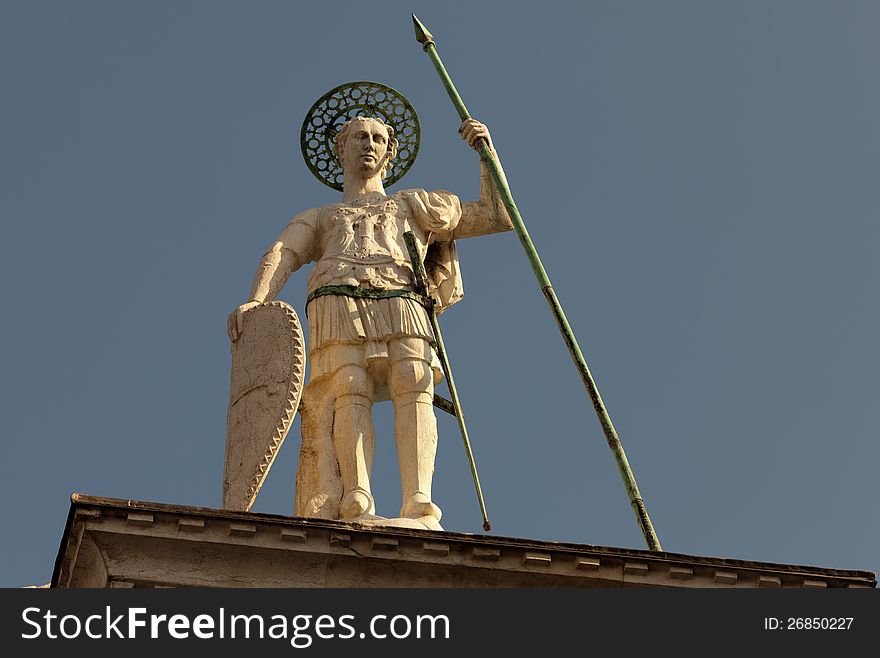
(342, 136)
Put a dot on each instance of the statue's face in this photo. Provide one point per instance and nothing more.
(365, 148)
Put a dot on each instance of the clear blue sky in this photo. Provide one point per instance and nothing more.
(700, 178)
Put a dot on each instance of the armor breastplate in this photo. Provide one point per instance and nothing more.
(364, 245)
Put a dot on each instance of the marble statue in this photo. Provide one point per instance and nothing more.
(369, 337)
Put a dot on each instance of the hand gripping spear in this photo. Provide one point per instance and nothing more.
(493, 165)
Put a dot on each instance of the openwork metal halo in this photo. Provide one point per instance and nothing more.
(345, 102)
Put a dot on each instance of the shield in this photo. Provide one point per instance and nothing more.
(268, 368)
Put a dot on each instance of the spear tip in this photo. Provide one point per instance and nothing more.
(422, 35)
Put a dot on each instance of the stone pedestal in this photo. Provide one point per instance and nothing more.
(123, 543)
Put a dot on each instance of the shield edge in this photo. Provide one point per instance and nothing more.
(294, 394)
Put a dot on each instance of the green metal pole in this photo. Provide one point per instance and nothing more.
(491, 160)
(422, 285)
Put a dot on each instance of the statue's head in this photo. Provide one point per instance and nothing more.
(362, 138)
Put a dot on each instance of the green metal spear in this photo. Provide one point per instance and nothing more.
(421, 282)
(493, 165)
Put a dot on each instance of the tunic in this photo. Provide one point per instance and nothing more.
(360, 243)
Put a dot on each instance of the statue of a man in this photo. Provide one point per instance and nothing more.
(369, 337)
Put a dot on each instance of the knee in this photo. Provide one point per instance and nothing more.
(410, 376)
(351, 380)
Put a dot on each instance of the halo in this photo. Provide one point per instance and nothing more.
(345, 102)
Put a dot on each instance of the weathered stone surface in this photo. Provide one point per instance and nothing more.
(268, 372)
(370, 334)
(101, 548)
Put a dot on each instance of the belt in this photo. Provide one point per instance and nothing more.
(369, 293)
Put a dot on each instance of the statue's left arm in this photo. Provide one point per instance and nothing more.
(295, 247)
(488, 215)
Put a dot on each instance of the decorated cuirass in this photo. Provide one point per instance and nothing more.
(363, 244)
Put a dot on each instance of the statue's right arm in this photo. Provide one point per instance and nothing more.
(294, 248)
(488, 215)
